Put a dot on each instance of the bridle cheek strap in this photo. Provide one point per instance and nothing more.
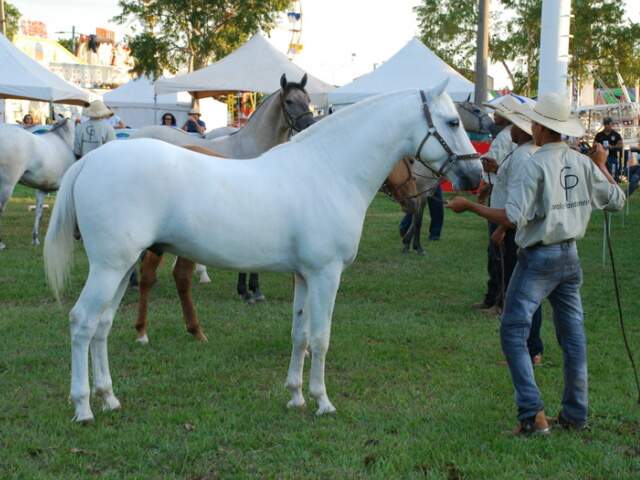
(452, 158)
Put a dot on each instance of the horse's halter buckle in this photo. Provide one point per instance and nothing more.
(290, 119)
(432, 131)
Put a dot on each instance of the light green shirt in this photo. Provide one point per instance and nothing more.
(501, 146)
(508, 172)
(551, 199)
(91, 135)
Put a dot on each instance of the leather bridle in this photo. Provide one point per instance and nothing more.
(452, 158)
(289, 119)
(393, 191)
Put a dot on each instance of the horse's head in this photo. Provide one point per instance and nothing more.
(445, 148)
(401, 185)
(294, 101)
(475, 119)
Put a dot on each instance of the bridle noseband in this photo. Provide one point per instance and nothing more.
(452, 158)
(290, 120)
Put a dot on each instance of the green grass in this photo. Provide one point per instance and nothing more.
(411, 369)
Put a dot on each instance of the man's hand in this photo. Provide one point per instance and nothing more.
(458, 204)
(598, 155)
(489, 165)
(497, 237)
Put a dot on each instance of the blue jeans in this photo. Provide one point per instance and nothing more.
(553, 272)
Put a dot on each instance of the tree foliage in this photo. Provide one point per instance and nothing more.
(12, 17)
(191, 33)
(603, 39)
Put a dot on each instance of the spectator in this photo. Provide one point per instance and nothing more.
(194, 124)
(115, 121)
(27, 121)
(612, 143)
(96, 131)
(168, 120)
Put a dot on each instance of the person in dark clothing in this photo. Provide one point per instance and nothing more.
(612, 143)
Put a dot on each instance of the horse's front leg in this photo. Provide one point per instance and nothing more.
(35, 234)
(417, 246)
(148, 269)
(299, 341)
(182, 273)
(322, 288)
(254, 288)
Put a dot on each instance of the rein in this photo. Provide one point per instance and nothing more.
(452, 158)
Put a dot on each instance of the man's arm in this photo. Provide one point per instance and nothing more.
(494, 215)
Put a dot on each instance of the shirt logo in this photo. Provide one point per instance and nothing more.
(568, 181)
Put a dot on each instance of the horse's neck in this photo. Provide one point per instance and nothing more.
(266, 129)
(362, 145)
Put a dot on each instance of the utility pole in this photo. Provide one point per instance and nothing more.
(482, 55)
(554, 46)
(3, 22)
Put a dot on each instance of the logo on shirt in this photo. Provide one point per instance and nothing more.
(568, 181)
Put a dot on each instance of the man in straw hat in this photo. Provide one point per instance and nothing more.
(194, 124)
(550, 203)
(94, 132)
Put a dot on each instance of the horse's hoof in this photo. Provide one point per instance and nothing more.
(84, 418)
(143, 340)
(421, 252)
(296, 403)
(205, 279)
(35, 242)
(405, 250)
(258, 297)
(110, 402)
(326, 409)
(200, 336)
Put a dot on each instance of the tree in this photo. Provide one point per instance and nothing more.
(603, 39)
(67, 43)
(190, 33)
(12, 17)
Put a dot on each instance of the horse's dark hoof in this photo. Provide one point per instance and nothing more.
(405, 250)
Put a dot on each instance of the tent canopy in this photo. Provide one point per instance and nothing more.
(413, 67)
(254, 67)
(25, 79)
(139, 93)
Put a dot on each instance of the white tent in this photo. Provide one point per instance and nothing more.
(24, 78)
(135, 103)
(254, 67)
(413, 66)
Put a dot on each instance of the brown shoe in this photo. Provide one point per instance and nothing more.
(480, 306)
(537, 425)
(495, 310)
(565, 424)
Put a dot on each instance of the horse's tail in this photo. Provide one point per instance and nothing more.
(58, 243)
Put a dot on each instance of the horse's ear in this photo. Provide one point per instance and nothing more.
(303, 82)
(439, 89)
(283, 81)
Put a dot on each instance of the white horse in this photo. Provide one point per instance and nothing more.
(274, 121)
(298, 208)
(37, 161)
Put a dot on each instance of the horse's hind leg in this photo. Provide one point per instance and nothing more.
(6, 190)
(182, 273)
(103, 387)
(242, 288)
(148, 269)
(201, 271)
(98, 295)
(254, 288)
(299, 341)
(35, 234)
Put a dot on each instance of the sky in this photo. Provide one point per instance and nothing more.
(342, 39)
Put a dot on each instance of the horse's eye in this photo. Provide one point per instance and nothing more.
(289, 102)
(454, 123)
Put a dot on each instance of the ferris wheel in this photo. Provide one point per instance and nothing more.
(295, 28)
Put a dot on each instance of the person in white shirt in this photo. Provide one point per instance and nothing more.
(115, 121)
(96, 131)
(550, 202)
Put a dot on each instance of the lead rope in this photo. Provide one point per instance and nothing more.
(615, 284)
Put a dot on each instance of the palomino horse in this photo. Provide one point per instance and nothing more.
(37, 161)
(278, 116)
(474, 120)
(299, 208)
(399, 185)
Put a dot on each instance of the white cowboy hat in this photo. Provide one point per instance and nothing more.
(554, 112)
(97, 109)
(508, 107)
(494, 103)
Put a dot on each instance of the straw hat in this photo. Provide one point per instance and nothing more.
(554, 112)
(194, 111)
(508, 109)
(97, 109)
